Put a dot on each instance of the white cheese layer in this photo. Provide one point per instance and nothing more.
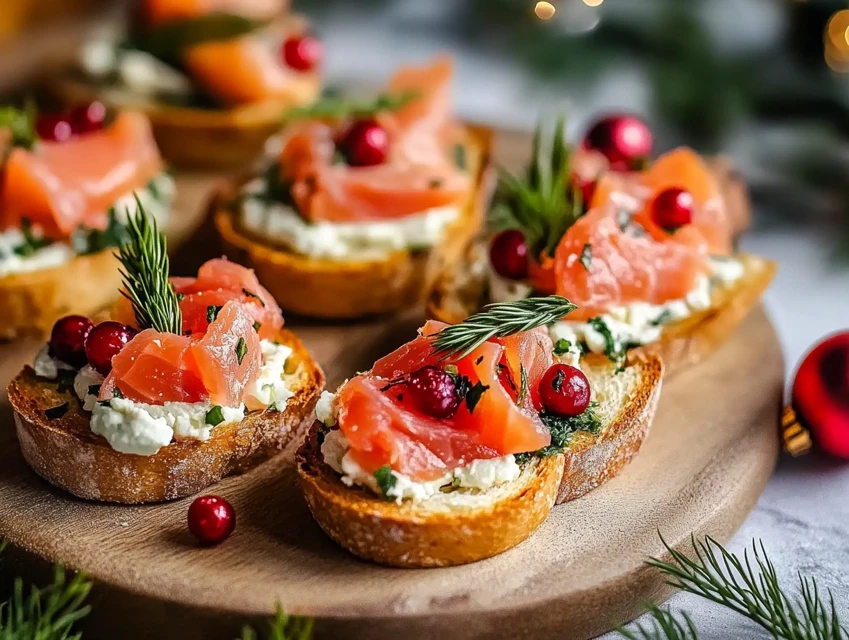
(137, 71)
(48, 367)
(270, 387)
(87, 385)
(478, 475)
(281, 224)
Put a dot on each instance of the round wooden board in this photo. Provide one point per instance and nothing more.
(709, 454)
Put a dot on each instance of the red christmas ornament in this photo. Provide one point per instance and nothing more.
(672, 208)
(302, 53)
(820, 400)
(211, 519)
(364, 144)
(626, 141)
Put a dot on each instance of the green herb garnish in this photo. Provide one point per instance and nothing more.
(562, 347)
(499, 320)
(251, 294)
(31, 243)
(241, 350)
(214, 416)
(212, 312)
(87, 241)
(664, 317)
(563, 429)
(145, 273)
(337, 108)
(587, 256)
(54, 413)
(93, 389)
(257, 326)
(21, 124)
(474, 394)
(385, 479)
(117, 393)
(613, 348)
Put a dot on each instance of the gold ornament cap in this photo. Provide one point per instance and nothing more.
(796, 438)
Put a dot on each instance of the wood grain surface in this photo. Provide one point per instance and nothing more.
(710, 452)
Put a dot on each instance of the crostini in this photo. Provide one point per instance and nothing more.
(215, 77)
(455, 447)
(366, 199)
(191, 380)
(649, 260)
(66, 183)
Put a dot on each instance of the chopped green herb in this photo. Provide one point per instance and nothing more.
(212, 312)
(664, 317)
(563, 428)
(251, 294)
(54, 413)
(215, 416)
(21, 124)
(613, 349)
(65, 380)
(474, 394)
(117, 393)
(587, 256)
(180, 297)
(523, 387)
(87, 241)
(31, 243)
(93, 389)
(257, 326)
(459, 153)
(241, 350)
(385, 479)
(562, 347)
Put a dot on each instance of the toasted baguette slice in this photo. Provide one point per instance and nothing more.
(464, 526)
(32, 301)
(67, 454)
(461, 290)
(342, 289)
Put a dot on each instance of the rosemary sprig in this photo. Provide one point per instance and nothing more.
(336, 108)
(664, 624)
(751, 588)
(541, 203)
(283, 627)
(499, 320)
(145, 273)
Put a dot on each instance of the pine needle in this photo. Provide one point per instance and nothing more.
(145, 274)
(499, 320)
(283, 627)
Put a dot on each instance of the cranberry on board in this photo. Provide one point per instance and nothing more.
(67, 339)
(433, 391)
(672, 208)
(211, 519)
(364, 144)
(508, 254)
(54, 127)
(89, 117)
(104, 342)
(626, 141)
(564, 390)
(302, 53)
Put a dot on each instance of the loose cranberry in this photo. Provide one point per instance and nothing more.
(508, 254)
(625, 140)
(211, 519)
(302, 53)
(364, 144)
(564, 390)
(433, 391)
(54, 128)
(104, 342)
(88, 118)
(673, 208)
(67, 340)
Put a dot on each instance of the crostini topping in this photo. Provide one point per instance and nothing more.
(435, 391)
(104, 342)
(508, 254)
(67, 339)
(672, 209)
(303, 52)
(364, 143)
(564, 390)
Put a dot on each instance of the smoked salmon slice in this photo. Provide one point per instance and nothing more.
(157, 12)
(384, 427)
(59, 186)
(418, 175)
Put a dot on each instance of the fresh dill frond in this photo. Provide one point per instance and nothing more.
(664, 625)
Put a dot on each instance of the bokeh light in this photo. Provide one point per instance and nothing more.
(544, 10)
(836, 41)
(593, 3)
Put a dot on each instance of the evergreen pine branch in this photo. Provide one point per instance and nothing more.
(283, 627)
(664, 626)
(499, 320)
(145, 274)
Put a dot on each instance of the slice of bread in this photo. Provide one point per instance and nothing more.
(32, 301)
(342, 289)
(461, 290)
(67, 454)
(464, 525)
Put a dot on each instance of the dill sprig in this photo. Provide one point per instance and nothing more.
(541, 203)
(145, 273)
(336, 108)
(664, 625)
(284, 627)
(499, 320)
(749, 587)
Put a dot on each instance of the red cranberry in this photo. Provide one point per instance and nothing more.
(508, 254)
(626, 141)
(54, 128)
(564, 390)
(104, 342)
(211, 519)
(672, 208)
(364, 144)
(67, 340)
(88, 118)
(302, 53)
(433, 391)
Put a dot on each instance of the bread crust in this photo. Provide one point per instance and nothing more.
(409, 535)
(32, 301)
(67, 454)
(346, 289)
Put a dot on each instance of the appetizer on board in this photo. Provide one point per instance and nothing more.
(454, 447)
(190, 380)
(67, 182)
(649, 259)
(215, 76)
(364, 202)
